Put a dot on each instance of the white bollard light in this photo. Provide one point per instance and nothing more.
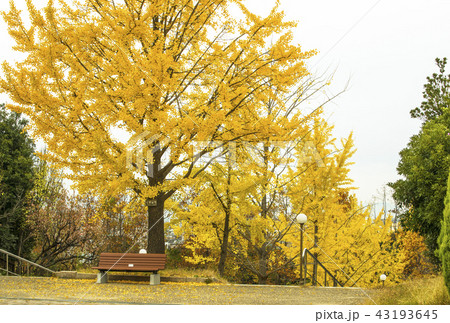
(383, 278)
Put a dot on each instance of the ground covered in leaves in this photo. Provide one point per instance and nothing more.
(37, 290)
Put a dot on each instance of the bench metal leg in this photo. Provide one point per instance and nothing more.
(102, 277)
(155, 279)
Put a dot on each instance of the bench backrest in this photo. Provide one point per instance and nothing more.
(132, 262)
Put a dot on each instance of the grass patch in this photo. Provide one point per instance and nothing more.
(424, 291)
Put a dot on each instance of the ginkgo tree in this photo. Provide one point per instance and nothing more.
(254, 205)
(340, 232)
(268, 231)
(230, 189)
(162, 73)
(249, 203)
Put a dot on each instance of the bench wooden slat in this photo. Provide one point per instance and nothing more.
(136, 255)
(143, 255)
(133, 268)
(146, 269)
(133, 261)
(102, 264)
(140, 262)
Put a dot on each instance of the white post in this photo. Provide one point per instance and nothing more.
(102, 277)
(155, 279)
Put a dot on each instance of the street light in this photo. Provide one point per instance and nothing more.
(301, 219)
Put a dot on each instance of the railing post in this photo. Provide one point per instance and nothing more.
(314, 275)
(305, 262)
(7, 265)
(315, 269)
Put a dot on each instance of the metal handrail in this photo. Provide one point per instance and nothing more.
(23, 259)
(316, 262)
(10, 272)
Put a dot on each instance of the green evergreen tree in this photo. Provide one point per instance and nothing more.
(425, 163)
(436, 94)
(444, 239)
(16, 180)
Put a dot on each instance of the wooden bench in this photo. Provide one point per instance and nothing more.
(148, 262)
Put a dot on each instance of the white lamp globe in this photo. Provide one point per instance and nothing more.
(383, 277)
(143, 251)
(302, 218)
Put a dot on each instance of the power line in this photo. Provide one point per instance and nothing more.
(348, 31)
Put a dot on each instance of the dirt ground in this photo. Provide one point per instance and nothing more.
(36, 290)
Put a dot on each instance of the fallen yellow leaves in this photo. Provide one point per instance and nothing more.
(53, 290)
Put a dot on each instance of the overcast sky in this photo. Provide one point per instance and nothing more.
(385, 48)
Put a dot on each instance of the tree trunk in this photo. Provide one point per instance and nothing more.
(226, 227)
(262, 280)
(155, 238)
(224, 246)
(155, 206)
(262, 272)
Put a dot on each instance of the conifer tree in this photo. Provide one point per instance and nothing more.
(444, 239)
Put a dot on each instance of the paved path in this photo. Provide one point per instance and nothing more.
(34, 290)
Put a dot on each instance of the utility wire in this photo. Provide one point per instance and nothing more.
(348, 31)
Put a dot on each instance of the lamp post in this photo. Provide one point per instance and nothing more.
(382, 278)
(301, 219)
